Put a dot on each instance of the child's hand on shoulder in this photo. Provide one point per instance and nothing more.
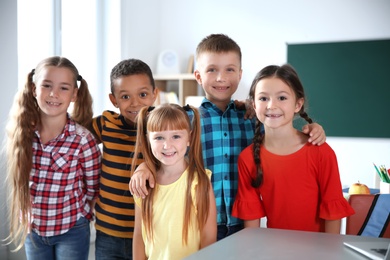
(139, 180)
(316, 133)
(247, 106)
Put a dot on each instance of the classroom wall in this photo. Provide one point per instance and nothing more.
(262, 29)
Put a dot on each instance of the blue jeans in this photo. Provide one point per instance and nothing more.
(224, 231)
(72, 245)
(111, 248)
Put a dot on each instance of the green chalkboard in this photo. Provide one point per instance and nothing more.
(347, 85)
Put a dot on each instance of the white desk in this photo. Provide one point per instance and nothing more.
(263, 243)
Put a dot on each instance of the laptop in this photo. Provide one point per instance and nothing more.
(373, 250)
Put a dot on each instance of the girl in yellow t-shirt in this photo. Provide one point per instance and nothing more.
(179, 216)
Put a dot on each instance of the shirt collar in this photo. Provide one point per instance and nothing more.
(207, 104)
(69, 129)
(128, 125)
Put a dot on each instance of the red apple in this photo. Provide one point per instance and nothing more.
(358, 188)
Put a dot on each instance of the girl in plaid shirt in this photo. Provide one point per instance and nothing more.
(53, 163)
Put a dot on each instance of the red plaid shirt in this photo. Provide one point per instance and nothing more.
(64, 177)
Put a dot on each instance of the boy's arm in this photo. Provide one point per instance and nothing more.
(314, 130)
(316, 133)
(138, 242)
(137, 184)
(209, 232)
(247, 106)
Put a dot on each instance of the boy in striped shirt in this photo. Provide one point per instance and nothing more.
(132, 87)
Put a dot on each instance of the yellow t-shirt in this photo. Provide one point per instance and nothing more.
(168, 218)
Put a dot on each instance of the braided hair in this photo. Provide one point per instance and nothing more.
(288, 75)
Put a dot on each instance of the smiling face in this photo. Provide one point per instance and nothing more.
(219, 74)
(169, 147)
(275, 103)
(54, 90)
(131, 93)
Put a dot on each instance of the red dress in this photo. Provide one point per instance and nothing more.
(299, 191)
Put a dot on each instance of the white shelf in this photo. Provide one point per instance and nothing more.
(187, 84)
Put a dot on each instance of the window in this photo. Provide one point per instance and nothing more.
(86, 32)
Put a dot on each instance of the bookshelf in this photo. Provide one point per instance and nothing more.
(187, 84)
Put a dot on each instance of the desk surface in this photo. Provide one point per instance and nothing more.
(267, 243)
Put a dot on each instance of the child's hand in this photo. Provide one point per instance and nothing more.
(316, 133)
(246, 105)
(92, 204)
(137, 184)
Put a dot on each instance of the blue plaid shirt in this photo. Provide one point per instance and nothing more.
(224, 135)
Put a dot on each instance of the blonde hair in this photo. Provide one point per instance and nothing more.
(174, 117)
(23, 120)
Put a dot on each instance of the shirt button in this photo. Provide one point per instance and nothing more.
(226, 156)
(225, 134)
(225, 178)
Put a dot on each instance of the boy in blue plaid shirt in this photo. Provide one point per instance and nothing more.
(225, 130)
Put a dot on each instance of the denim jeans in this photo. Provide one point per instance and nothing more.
(73, 245)
(112, 248)
(224, 231)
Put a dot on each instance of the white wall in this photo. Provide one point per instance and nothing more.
(262, 29)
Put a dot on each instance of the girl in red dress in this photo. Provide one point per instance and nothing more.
(293, 183)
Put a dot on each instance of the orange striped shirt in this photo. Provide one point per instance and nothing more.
(115, 205)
